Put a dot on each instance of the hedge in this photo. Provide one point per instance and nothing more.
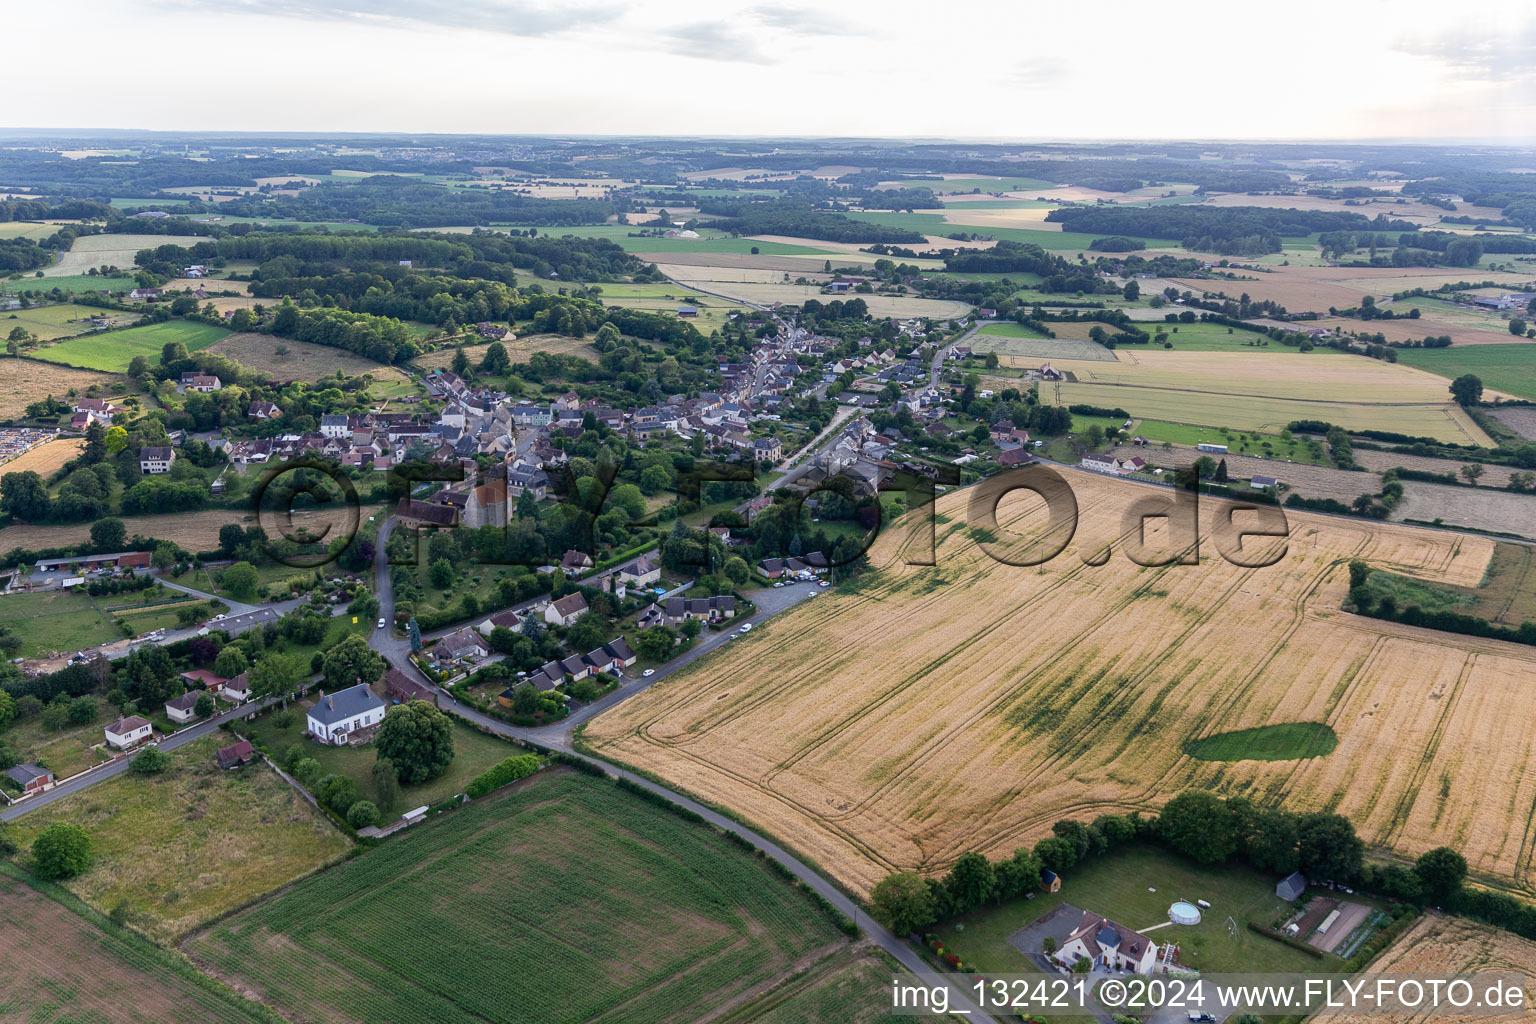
(1254, 926)
(519, 766)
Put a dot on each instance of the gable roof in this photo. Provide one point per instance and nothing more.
(344, 704)
(123, 726)
(186, 701)
(28, 772)
(1100, 932)
(570, 604)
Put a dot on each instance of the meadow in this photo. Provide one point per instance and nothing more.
(1018, 346)
(62, 320)
(300, 360)
(900, 721)
(90, 969)
(179, 848)
(1507, 368)
(110, 251)
(955, 220)
(112, 351)
(70, 283)
(602, 906)
(55, 620)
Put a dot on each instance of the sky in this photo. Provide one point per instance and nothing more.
(889, 68)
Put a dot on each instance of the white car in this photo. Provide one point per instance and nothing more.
(381, 623)
(747, 628)
(823, 584)
(648, 673)
(776, 586)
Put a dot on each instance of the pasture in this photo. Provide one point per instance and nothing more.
(658, 918)
(183, 846)
(1018, 346)
(62, 320)
(760, 293)
(1507, 368)
(92, 970)
(112, 351)
(299, 360)
(111, 251)
(55, 620)
(72, 283)
(899, 721)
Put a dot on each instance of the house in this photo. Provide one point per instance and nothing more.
(1099, 463)
(651, 616)
(127, 732)
(507, 620)
(1050, 881)
(530, 479)
(181, 710)
(32, 778)
(335, 718)
(97, 407)
(772, 568)
(1263, 483)
(614, 657)
(202, 677)
(239, 688)
(201, 382)
(156, 460)
(1014, 457)
(236, 754)
(335, 425)
(642, 572)
(576, 667)
(566, 610)
(1291, 887)
(148, 294)
(263, 411)
(403, 688)
(461, 643)
(708, 609)
(575, 562)
(1109, 945)
(767, 449)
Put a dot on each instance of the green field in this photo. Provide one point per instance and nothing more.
(710, 241)
(1508, 368)
(183, 846)
(935, 224)
(1116, 886)
(71, 283)
(1289, 741)
(88, 969)
(66, 751)
(473, 753)
(55, 620)
(1238, 442)
(1210, 338)
(112, 351)
(61, 320)
(559, 899)
(985, 184)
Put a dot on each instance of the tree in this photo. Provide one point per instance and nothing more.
(61, 851)
(655, 644)
(172, 352)
(460, 364)
(1056, 854)
(116, 439)
(1467, 389)
(307, 771)
(418, 739)
(204, 705)
(24, 496)
(1199, 825)
(150, 760)
(441, 573)
(1472, 471)
(1441, 872)
(1517, 327)
(386, 781)
(691, 628)
(83, 709)
(362, 814)
(971, 883)
(7, 710)
(1205, 467)
(413, 634)
(240, 579)
(275, 674)
(350, 662)
(56, 714)
(902, 902)
(230, 663)
(1329, 848)
(231, 536)
(108, 534)
(496, 361)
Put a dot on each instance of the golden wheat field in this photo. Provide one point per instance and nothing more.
(926, 711)
(1449, 945)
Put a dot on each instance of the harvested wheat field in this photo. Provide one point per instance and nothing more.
(1482, 509)
(519, 349)
(1304, 288)
(926, 711)
(28, 380)
(46, 459)
(195, 531)
(300, 359)
(1439, 945)
(111, 250)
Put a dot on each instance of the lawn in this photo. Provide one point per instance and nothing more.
(181, 847)
(86, 968)
(55, 620)
(1508, 368)
(474, 752)
(558, 899)
(1290, 741)
(1118, 885)
(112, 351)
(70, 283)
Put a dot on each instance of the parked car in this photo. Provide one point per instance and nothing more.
(381, 623)
(648, 673)
(747, 628)
(823, 583)
(776, 586)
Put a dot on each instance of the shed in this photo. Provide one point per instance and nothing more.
(1050, 881)
(1291, 887)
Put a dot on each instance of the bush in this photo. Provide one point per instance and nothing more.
(150, 760)
(362, 814)
(61, 851)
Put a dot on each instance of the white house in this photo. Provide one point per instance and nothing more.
(335, 717)
(566, 610)
(335, 425)
(1109, 945)
(156, 460)
(238, 688)
(181, 710)
(127, 732)
(1099, 463)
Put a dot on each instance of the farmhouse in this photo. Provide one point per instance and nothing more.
(156, 459)
(32, 778)
(127, 732)
(415, 512)
(565, 611)
(1109, 945)
(335, 718)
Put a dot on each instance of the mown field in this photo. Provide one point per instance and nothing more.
(299, 360)
(195, 531)
(44, 459)
(1507, 368)
(112, 351)
(29, 380)
(72, 283)
(181, 847)
(110, 251)
(899, 721)
(63, 320)
(55, 620)
(1018, 346)
(66, 963)
(559, 899)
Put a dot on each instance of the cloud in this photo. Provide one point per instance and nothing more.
(714, 40)
(1479, 55)
(802, 19)
(509, 17)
